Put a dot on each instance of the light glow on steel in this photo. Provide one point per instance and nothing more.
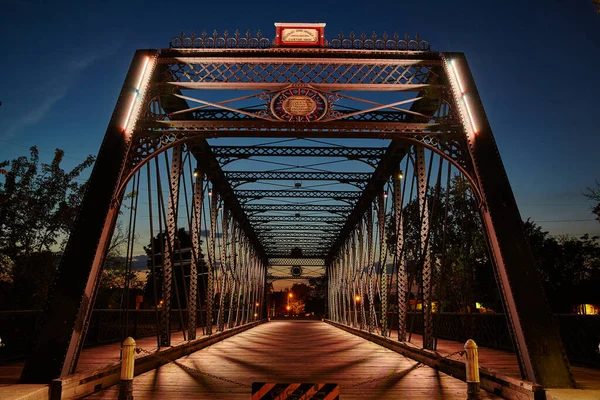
(464, 96)
(470, 114)
(136, 93)
(462, 89)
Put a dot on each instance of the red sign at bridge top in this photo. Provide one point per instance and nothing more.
(300, 34)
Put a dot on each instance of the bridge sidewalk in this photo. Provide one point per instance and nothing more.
(505, 362)
(93, 357)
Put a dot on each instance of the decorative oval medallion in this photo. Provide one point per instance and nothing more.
(299, 104)
(296, 270)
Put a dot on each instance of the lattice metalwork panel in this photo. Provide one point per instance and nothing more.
(319, 72)
(344, 177)
(284, 218)
(275, 229)
(288, 261)
(312, 194)
(297, 207)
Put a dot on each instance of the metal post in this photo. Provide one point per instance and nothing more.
(232, 276)
(212, 263)
(169, 248)
(425, 253)
(223, 290)
(354, 277)
(371, 267)
(195, 261)
(472, 370)
(361, 265)
(127, 369)
(401, 276)
(382, 264)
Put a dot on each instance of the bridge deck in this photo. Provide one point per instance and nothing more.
(295, 351)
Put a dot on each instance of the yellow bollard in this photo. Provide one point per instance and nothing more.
(472, 366)
(127, 368)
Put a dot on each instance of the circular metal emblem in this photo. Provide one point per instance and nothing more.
(299, 104)
(296, 270)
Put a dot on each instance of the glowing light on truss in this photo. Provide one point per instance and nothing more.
(470, 114)
(464, 96)
(136, 94)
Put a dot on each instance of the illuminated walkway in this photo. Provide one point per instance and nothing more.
(295, 351)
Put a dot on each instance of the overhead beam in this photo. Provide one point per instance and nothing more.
(289, 218)
(311, 194)
(286, 261)
(262, 229)
(298, 207)
(351, 153)
(253, 176)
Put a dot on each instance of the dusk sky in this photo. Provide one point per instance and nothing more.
(536, 64)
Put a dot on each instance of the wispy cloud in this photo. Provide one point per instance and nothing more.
(54, 91)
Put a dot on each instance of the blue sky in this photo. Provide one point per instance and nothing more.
(535, 64)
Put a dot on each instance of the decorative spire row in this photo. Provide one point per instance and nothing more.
(248, 40)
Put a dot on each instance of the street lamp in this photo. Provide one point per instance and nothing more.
(290, 295)
(357, 298)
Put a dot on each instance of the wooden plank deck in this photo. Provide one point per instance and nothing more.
(295, 351)
(505, 362)
(92, 357)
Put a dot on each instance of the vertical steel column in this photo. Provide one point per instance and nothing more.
(346, 287)
(354, 277)
(242, 274)
(169, 247)
(536, 337)
(196, 230)
(212, 263)
(232, 276)
(251, 287)
(73, 293)
(362, 264)
(382, 264)
(425, 253)
(332, 291)
(401, 276)
(371, 266)
(223, 290)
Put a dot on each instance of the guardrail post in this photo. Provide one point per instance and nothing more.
(127, 368)
(472, 366)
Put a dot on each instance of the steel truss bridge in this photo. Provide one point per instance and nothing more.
(261, 157)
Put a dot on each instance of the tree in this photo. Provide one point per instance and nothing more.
(569, 267)
(181, 269)
(594, 194)
(317, 295)
(462, 271)
(38, 207)
(115, 276)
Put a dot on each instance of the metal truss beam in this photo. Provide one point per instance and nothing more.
(287, 261)
(307, 235)
(310, 194)
(306, 255)
(264, 229)
(283, 218)
(342, 177)
(246, 114)
(298, 207)
(257, 125)
(276, 277)
(369, 154)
